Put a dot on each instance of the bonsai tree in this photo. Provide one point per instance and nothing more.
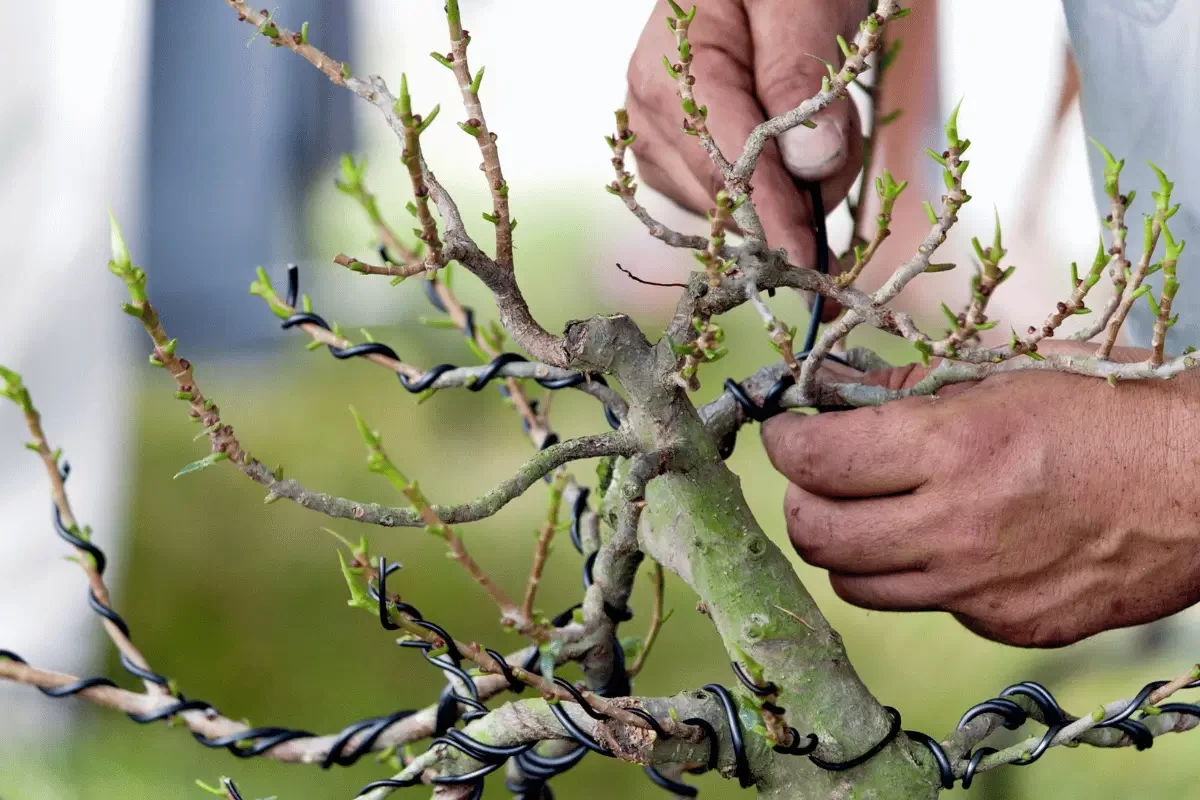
(798, 721)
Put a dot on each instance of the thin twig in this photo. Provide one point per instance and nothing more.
(782, 337)
(542, 549)
(656, 622)
(952, 202)
(1180, 681)
(14, 389)
(391, 270)
(1084, 728)
(414, 126)
(869, 39)
(537, 467)
(650, 283)
(477, 127)
(626, 187)
(695, 114)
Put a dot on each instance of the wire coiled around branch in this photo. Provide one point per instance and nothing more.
(536, 770)
(770, 405)
(490, 372)
(1055, 718)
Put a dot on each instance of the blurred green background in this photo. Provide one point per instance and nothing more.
(243, 605)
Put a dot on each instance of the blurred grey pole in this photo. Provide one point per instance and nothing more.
(237, 132)
(223, 140)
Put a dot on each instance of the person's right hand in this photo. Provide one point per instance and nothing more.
(751, 62)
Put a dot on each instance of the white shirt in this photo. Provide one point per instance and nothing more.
(1140, 96)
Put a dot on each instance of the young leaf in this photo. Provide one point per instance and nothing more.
(950, 315)
(952, 127)
(203, 463)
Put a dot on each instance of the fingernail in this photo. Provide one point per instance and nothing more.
(813, 153)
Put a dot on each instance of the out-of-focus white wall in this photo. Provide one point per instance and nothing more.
(555, 73)
(71, 110)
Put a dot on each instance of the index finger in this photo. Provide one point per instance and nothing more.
(722, 65)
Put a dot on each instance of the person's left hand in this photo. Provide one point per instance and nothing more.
(1039, 508)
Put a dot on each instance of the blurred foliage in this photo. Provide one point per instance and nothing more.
(242, 603)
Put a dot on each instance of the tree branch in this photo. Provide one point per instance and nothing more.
(949, 372)
(14, 389)
(869, 39)
(476, 126)
(537, 467)
(498, 277)
(525, 721)
(1084, 730)
(625, 188)
(304, 750)
(618, 559)
(460, 376)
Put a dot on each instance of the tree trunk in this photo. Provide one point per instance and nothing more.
(697, 524)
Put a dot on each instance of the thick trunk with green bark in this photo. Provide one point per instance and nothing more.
(698, 525)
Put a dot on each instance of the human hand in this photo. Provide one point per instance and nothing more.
(1039, 508)
(750, 62)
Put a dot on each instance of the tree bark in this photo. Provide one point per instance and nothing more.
(698, 525)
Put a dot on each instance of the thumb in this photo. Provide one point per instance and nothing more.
(788, 37)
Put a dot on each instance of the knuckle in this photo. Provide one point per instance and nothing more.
(789, 443)
(806, 531)
(843, 587)
(638, 81)
(1014, 623)
(937, 590)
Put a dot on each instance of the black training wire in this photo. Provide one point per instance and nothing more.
(771, 401)
(818, 309)
(676, 787)
(537, 769)
(742, 763)
(792, 747)
(838, 766)
(244, 744)
(491, 370)
(1054, 717)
